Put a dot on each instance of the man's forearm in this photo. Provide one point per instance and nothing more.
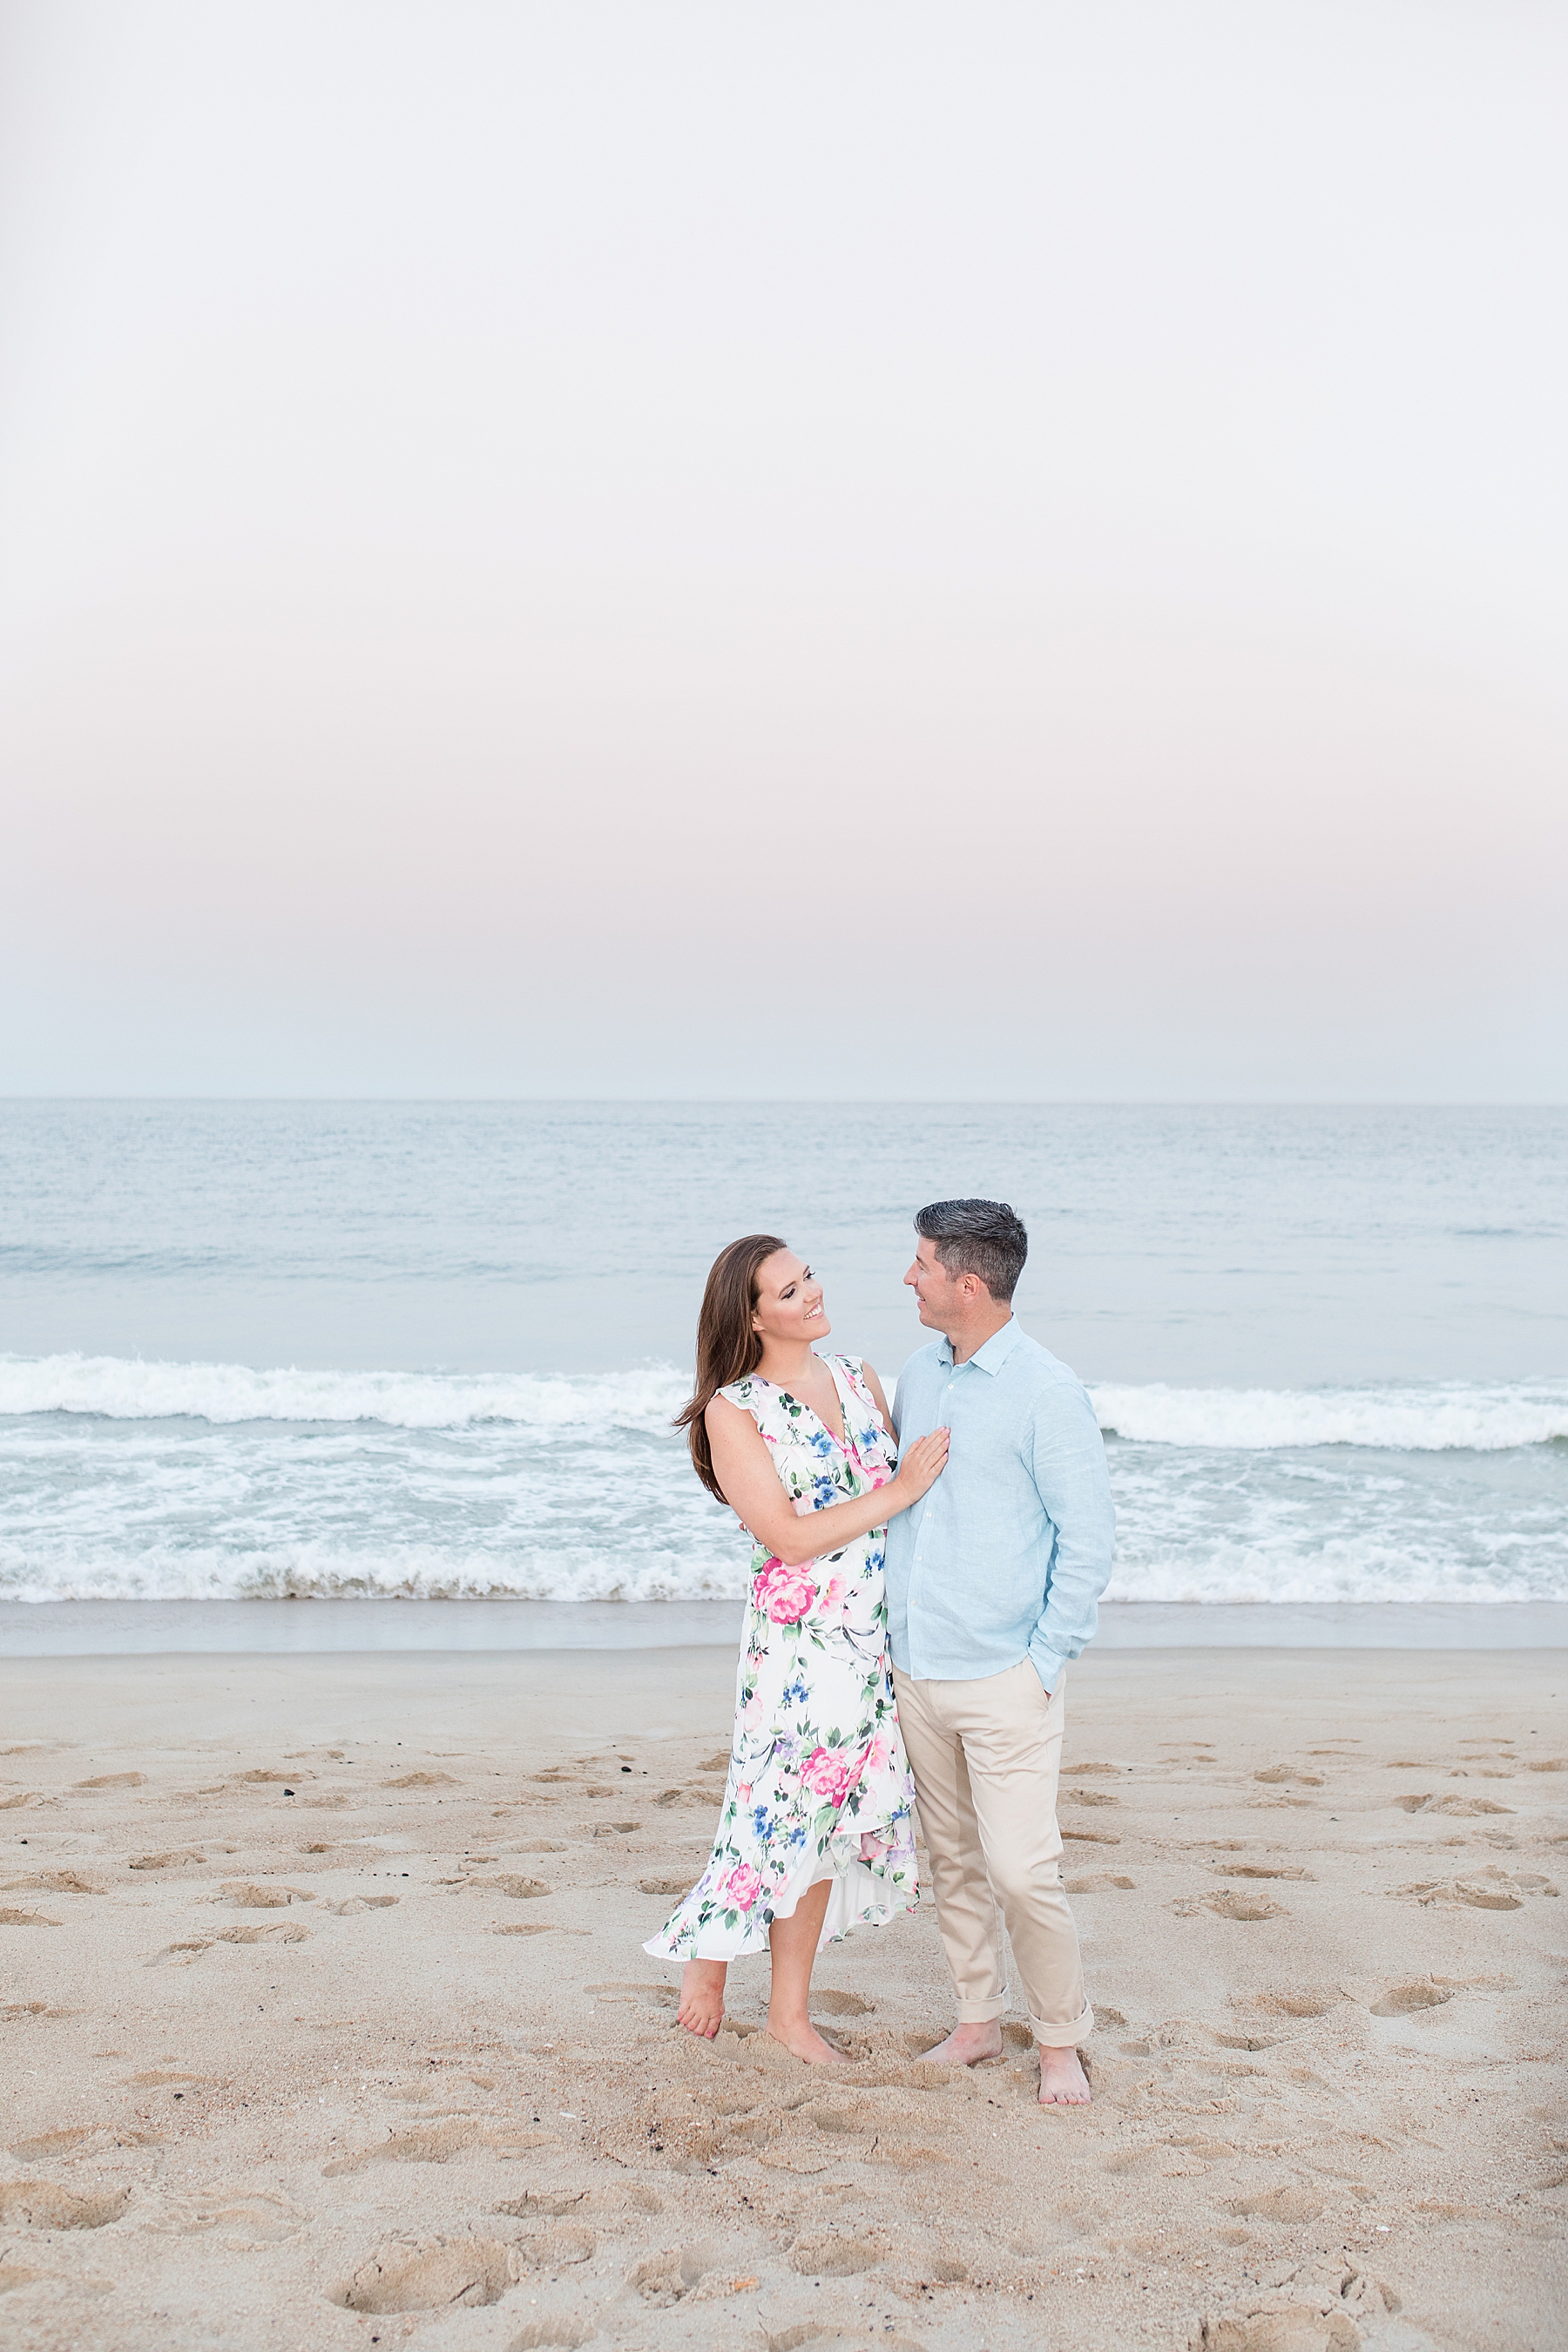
(1074, 1485)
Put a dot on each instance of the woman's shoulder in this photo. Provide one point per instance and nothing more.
(749, 1392)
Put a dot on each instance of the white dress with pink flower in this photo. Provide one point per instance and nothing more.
(819, 1784)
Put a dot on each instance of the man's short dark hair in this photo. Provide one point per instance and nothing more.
(980, 1237)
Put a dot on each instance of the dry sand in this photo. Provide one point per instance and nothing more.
(326, 2024)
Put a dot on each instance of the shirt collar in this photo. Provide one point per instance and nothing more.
(996, 1349)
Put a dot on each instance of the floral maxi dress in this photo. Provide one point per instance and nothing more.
(819, 1784)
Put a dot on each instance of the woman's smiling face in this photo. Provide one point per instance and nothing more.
(789, 1307)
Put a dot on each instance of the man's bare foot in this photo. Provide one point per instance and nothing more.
(803, 2041)
(701, 2007)
(1063, 2083)
(967, 2045)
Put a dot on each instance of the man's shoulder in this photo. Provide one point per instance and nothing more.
(1040, 1370)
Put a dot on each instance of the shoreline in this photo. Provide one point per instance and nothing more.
(305, 1627)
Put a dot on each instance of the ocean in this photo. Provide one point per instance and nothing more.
(430, 1350)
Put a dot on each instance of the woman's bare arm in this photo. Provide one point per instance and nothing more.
(745, 1471)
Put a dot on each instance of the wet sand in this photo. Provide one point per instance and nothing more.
(325, 2022)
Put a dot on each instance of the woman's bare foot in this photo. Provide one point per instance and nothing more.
(701, 2007)
(803, 2041)
(1063, 2083)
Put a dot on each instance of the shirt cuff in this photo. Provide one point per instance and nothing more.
(1048, 1663)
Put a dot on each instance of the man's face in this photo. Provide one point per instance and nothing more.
(938, 1293)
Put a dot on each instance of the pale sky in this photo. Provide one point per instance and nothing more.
(839, 550)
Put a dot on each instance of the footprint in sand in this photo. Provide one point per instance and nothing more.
(613, 1829)
(817, 2331)
(45, 2205)
(421, 1780)
(1311, 2002)
(665, 2279)
(1098, 1882)
(1289, 2201)
(662, 1996)
(1275, 1774)
(1465, 1808)
(544, 2335)
(438, 2142)
(833, 2253)
(534, 2206)
(51, 1882)
(243, 2219)
(43, 2144)
(557, 2250)
(827, 2002)
(1298, 2327)
(1490, 1890)
(1409, 1998)
(170, 1861)
(519, 1889)
(1230, 1904)
(1260, 1870)
(664, 1885)
(430, 2274)
(12, 1919)
(261, 1779)
(244, 1894)
(115, 1780)
(287, 1934)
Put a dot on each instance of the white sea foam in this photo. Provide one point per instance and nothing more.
(125, 1388)
(1425, 1420)
(125, 1480)
(408, 1571)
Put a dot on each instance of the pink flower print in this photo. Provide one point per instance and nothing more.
(834, 1596)
(784, 1594)
(744, 1792)
(742, 1886)
(875, 1757)
(826, 1775)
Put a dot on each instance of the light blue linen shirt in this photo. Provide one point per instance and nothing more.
(1007, 1556)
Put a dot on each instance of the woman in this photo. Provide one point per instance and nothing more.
(814, 1838)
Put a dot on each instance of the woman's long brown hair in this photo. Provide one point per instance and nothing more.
(727, 1346)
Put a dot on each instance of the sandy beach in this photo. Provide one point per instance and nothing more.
(326, 2024)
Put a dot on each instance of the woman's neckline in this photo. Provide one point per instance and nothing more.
(843, 1444)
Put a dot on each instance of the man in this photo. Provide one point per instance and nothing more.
(992, 1581)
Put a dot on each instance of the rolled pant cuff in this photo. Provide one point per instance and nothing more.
(1063, 2037)
(980, 2013)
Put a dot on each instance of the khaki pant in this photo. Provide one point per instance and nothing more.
(986, 1757)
